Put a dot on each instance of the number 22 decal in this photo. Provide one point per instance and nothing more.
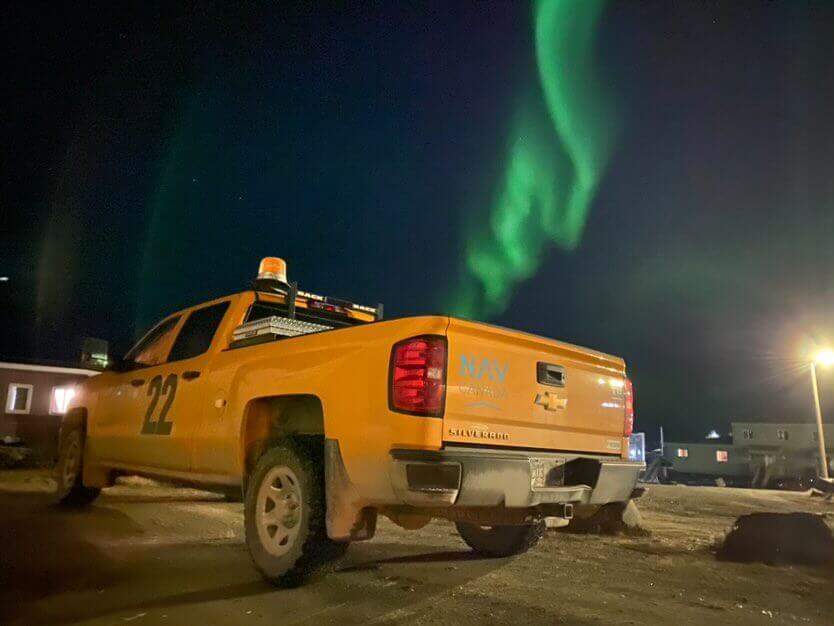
(157, 388)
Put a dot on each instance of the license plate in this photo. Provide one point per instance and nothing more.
(546, 472)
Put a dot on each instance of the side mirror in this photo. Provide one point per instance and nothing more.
(94, 353)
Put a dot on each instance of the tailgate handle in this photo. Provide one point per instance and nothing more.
(549, 374)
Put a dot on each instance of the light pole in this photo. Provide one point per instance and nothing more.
(824, 358)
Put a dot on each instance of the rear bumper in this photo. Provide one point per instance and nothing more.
(484, 477)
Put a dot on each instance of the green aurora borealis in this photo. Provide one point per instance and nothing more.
(559, 145)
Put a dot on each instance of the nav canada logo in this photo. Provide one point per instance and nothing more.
(474, 367)
(485, 381)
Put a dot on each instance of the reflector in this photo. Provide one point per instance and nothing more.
(629, 407)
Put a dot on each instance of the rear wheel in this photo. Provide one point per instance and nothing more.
(284, 516)
(71, 492)
(500, 540)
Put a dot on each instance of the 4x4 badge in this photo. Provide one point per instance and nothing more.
(550, 401)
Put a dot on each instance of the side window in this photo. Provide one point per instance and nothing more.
(198, 332)
(153, 348)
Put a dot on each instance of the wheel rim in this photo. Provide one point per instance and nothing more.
(72, 463)
(278, 512)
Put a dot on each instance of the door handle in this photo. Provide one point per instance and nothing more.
(190, 375)
(137, 382)
(550, 374)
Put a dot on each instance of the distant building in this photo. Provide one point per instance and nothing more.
(760, 455)
(704, 462)
(34, 396)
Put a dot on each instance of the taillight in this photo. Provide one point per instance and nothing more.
(629, 407)
(418, 376)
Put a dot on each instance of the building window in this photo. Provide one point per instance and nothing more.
(782, 435)
(722, 456)
(61, 396)
(747, 433)
(683, 453)
(19, 399)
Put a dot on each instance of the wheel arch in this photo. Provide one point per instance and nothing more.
(268, 419)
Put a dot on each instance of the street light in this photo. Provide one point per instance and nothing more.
(824, 358)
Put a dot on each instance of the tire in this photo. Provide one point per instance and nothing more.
(298, 549)
(500, 541)
(71, 492)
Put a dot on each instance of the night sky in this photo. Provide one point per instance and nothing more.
(151, 155)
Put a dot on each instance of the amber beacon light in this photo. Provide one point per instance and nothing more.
(273, 268)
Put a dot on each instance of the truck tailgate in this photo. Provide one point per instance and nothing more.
(511, 389)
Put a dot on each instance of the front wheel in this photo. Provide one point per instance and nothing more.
(284, 517)
(71, 492)
(500, 540)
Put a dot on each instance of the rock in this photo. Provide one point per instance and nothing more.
(779, 539)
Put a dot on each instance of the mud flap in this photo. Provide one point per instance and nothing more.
(346, 519)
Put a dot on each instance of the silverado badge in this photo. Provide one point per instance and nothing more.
(481, 432)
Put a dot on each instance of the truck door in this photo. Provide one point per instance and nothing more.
(111, 433)
(167, 398)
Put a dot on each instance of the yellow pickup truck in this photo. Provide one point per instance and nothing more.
(321, 416)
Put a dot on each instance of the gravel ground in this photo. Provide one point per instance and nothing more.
(149, 554)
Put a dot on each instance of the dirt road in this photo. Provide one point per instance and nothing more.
(148, 554)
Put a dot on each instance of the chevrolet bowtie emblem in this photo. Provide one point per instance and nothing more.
(550, 401)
